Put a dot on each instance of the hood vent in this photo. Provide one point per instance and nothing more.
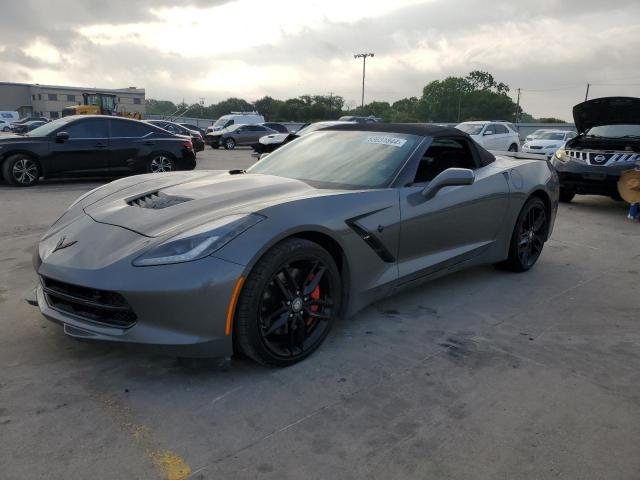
(156, 201)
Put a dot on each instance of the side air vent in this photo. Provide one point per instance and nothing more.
(156, 201)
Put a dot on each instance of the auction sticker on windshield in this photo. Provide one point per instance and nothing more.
(384, 140)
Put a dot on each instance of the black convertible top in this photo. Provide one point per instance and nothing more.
(420, 129)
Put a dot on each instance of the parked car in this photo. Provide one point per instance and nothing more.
(278, 127)
(273, 141)
(265, 262)
(5, 125)
(548, 142)
(369, 119)
(536, 134)
(177, 129)
(26, 126)
(236, 118)
(86, 145)
(238, 135)
(608, 142)
(31, 119)
(195, 128)
(492, 135)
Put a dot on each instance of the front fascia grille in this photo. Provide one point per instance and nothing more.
(101, 307)
(611, 157)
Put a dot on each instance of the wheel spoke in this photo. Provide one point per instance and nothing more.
(310, 285)
(279, 323)
(316, 315)
(539, 221)
(283, 288)
(293, 286)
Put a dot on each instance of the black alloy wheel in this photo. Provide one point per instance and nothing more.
(229, 143)
(528, 236)
(289, 303)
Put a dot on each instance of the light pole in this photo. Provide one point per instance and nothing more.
(364, 66)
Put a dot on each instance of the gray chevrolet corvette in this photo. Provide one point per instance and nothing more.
(262, 262)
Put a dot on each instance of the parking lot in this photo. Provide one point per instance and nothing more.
(482, 374)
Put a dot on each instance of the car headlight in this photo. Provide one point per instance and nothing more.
(561, 156)
(526, 145)
(199, 242)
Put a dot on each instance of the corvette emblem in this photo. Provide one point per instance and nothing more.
(62, 244)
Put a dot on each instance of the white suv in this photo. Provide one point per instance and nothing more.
(492, 135)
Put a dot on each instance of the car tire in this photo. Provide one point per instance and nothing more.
(161, 162)
(513, 147)
(528, 237)
(229, 143)
(273, 332)
(566, 195)
(21, 170)
(5, 129)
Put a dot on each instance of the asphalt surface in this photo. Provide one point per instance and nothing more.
(480, 375)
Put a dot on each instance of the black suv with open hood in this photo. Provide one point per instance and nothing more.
(608, 143)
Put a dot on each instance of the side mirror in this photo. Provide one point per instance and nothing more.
(451, 177)
(488, 132)
(61, 137)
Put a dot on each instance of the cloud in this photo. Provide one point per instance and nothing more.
(251, 48)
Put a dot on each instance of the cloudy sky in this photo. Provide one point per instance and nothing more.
(284, 48)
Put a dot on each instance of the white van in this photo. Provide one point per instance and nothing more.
(7, 117)
(240, 118)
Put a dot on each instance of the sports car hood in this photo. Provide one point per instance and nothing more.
(606, 111)
(160, 206)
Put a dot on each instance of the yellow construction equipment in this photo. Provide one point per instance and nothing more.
(98, 104)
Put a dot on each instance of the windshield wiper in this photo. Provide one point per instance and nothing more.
(630, 136)
(237, 172)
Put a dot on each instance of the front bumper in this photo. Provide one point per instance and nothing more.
(586, 179)
(212, 140)
(548, 152)
(178, 309)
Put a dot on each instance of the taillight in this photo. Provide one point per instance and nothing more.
(187, 144)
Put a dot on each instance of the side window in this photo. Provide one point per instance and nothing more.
(229, 123)
(89, 128)
(444, 153)
(127, 129)
(499, 129)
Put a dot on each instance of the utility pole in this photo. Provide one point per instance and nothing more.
(330, 102)
(518, 107)
(364, 66)
(586, 95)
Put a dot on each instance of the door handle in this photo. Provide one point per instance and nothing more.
(100, 145)
(149, 142)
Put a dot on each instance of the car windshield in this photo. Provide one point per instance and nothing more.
(615, 131)
(47, 128)
(471, 128)
(221, 122)
(340, 159)
(552, 136)
(538, 132)
(312, 128)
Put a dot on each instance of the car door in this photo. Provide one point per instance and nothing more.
(84, 151)
(129, 141)
(500, 138)
(457, 223)
(256, 132)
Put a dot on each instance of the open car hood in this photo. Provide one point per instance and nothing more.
(606, 111)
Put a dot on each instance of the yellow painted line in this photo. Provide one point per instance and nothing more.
(232, 305)
(170, 465)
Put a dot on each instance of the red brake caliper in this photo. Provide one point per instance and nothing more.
(315, 295)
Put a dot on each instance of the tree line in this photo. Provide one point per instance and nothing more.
(477, 96)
